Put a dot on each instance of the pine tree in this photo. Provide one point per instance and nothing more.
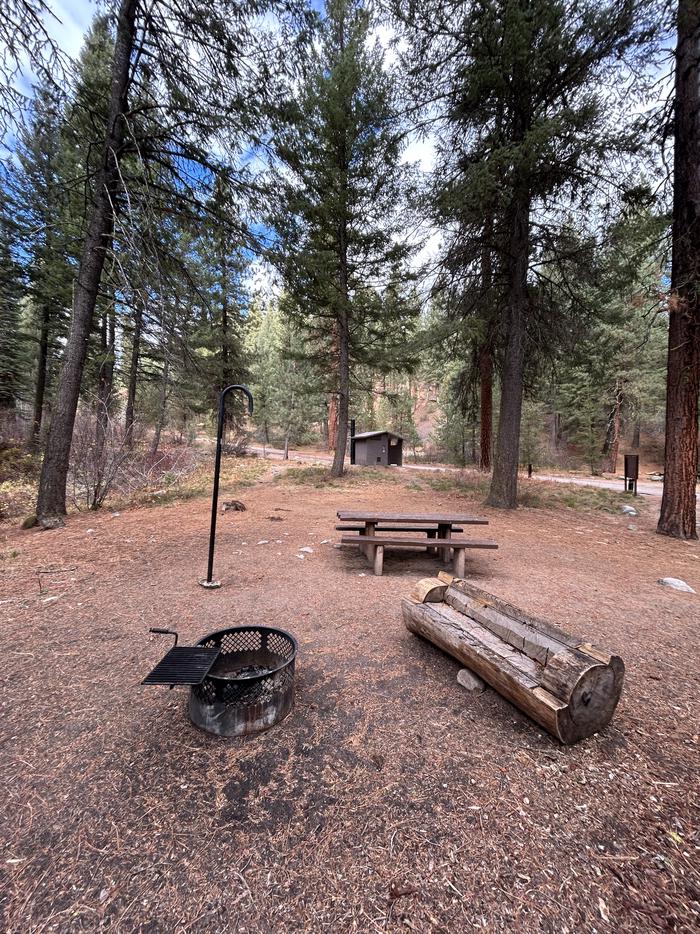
(526, 122)
(39, 200)
(13, 343)
(340, 213)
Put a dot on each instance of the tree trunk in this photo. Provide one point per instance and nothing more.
(636, 436)
(162, 403)
(51, 502)
(343, 309)
(332, 422)
(343, 394)
(485, 352)
(678, 504)
(611, 447)
(504, 482)
(41, 373)
(105, 380)
(130, 413)
(486, 405)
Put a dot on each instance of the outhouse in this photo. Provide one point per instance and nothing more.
(377, 447)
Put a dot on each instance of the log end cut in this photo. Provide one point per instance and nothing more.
(591, 693)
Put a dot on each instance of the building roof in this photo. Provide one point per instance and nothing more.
(376, 434)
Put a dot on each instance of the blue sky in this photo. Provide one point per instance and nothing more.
(72, 18)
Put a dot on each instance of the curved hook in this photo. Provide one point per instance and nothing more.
(243, 389)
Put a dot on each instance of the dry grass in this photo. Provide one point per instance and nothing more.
(537, 494)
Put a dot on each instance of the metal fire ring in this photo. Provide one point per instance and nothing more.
(251, 685)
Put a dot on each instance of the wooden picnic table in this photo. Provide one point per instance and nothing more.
(438, 526)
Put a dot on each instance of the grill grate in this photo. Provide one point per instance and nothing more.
(184, 664)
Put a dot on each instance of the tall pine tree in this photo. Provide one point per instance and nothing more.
(340, 216)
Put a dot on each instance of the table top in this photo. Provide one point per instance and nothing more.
(417, 518)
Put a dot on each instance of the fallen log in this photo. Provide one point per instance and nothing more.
(567, 685)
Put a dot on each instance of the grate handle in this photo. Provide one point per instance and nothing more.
(164, 632)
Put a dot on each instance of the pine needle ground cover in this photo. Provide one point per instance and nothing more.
(390, 799)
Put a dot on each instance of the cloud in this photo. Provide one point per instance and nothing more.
(69, 23)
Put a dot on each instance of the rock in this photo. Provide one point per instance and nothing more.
(300, 556)
(234, 504)
(51, 522)
(263, 541)
(306, 550)
(628, 510)
(632, 528)
(676, 584)
(470, 681)
(30, 522)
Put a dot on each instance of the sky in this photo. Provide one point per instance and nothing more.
(72, 18)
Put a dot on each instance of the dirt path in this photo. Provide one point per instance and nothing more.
(119, 815)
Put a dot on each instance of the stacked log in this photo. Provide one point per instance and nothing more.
(565, 683)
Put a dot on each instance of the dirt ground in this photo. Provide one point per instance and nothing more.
(390, 799)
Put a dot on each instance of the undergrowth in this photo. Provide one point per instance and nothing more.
(19, 473)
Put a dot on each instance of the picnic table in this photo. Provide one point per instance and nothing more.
(438, 529)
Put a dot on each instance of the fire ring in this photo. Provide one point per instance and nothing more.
(251, 685)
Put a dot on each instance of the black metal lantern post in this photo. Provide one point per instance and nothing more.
(217, 474)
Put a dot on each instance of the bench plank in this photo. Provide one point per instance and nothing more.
(418, 542)
(395, 528)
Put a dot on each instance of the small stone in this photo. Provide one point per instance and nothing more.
(632, 527)
(306, 550)
(51, 522)
(470, 681)
(263, 541)
(325, 541)
(628, 510)
(676, 584)
(115, 515)
(300, 556)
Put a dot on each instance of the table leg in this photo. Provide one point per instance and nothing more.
(431, 534)
(378, 560)
(370, 529)
(445, 531)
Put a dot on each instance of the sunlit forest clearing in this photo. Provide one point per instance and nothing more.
(349, 378)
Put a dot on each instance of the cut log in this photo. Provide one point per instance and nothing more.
(568, 686)
(429, 590)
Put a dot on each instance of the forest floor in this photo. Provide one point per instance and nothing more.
(390, 799)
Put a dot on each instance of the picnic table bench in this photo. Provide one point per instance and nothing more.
(437, 527)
